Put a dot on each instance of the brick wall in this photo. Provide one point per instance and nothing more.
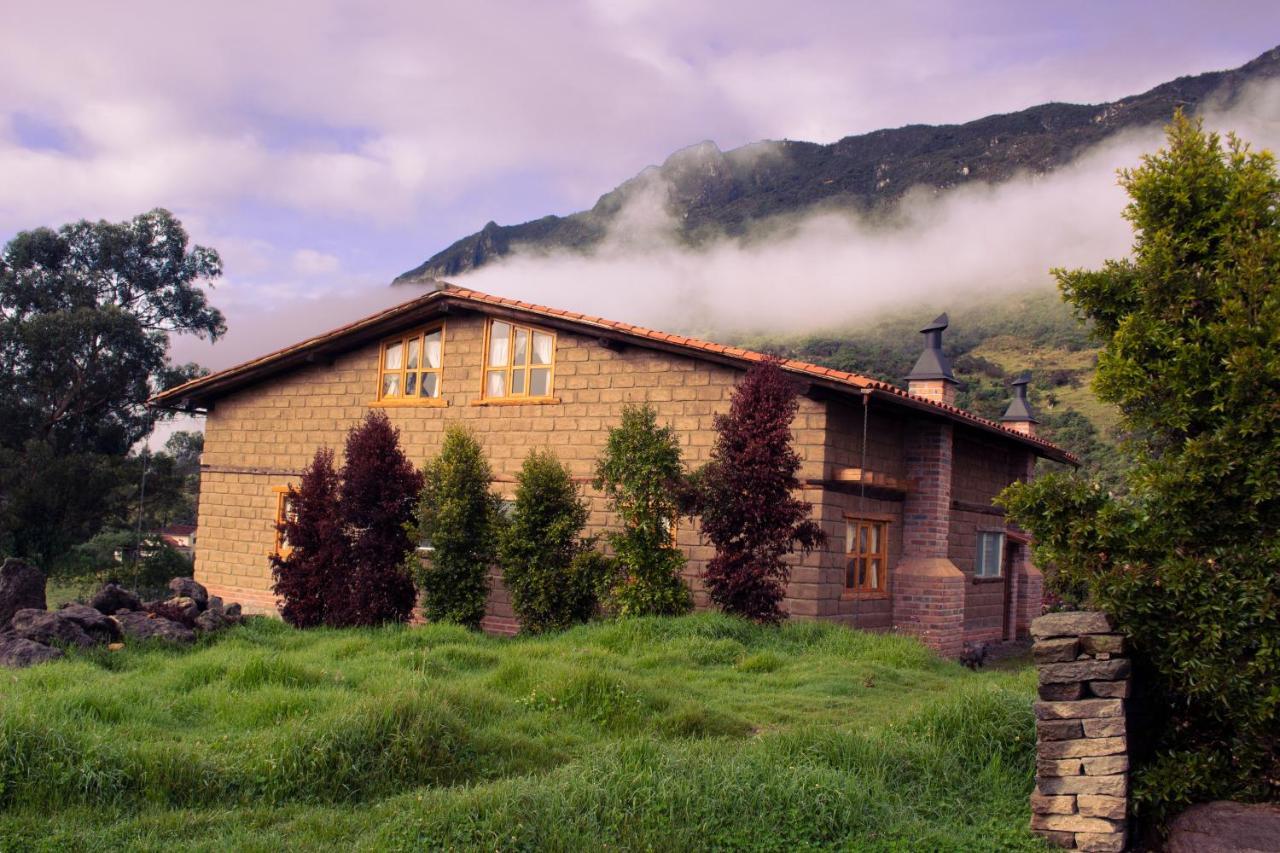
(262, 437)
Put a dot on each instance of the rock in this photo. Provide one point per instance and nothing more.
(210, 621)
(1059, 729)
(1106, 727)
(1056, 650)
(101, 628)
(190, 588)
(1094, 805)
(1041, 804)
(1061, 692)
(1222, 826)
(21, 588)
(232, 613)
(1108, 786)
(1084, 670)
(188, 607)
(113, 598)
(114, 647)
(1059, 767)
(1105, 765)
(1072, 823)
(1082, 710)
(1071, 624)
(18, 651)
(1102, 842)
(1099, 644)
(215, 604)
(147, 626)
(49, 627)
(1110, 689)
(1089, 746)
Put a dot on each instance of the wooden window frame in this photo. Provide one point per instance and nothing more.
(403, 340)
(511, 367)
(282, 547)
(978, 574)
(881, 589)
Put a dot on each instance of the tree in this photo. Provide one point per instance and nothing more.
(458, 515)
(377, 500)
(85, 318)
(310, 570)
(642, 476)
(746, 497)
(546, 564)
(1186, 557)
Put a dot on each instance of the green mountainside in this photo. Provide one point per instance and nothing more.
(989, 343)
(712, 193)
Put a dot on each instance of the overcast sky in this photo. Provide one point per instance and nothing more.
(324, 147)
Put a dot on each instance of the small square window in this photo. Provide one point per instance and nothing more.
(411, 366)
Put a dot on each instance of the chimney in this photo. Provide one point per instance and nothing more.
(1019, 416)
(932, 378)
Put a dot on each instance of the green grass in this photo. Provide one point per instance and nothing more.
(700, 732)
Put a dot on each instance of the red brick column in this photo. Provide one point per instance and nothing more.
(927, 588)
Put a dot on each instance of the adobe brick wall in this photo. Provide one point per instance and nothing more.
(263, 436)
(1082, 757)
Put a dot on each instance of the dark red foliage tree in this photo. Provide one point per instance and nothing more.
(313, 546)
(379, 497)
(745, 496)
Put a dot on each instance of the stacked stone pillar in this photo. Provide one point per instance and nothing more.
(1082, 754)
(928, 589)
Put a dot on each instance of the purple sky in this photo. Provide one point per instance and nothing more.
(324, 147)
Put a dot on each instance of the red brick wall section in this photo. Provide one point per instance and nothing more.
(928, 591)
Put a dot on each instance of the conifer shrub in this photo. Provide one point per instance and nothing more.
(642, 476)
(308, 571)
(459, 519)
(378, 501)
(546, 564)
(745, 496)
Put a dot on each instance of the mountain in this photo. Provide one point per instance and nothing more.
(710, 192)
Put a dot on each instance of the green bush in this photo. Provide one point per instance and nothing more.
(1186, 557)
(641, 475)
(542, 551)
(458, 516)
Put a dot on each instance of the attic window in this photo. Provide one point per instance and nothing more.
(519, 362)
(409, 370)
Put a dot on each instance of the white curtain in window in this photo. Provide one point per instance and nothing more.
(542, 346)
(499, 345)
(431, 358)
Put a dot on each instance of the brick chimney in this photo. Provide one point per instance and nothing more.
(1019, 416)
(932, 378)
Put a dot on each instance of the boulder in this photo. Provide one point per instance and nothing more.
(18, 651)
(21, 588)
(1225, 826)
(232, 613)
(113, 598)
(101, 628)
(148, 626)
(210, 621)
(190, 588)
(49, 627)
(215, 604)
(188, 607)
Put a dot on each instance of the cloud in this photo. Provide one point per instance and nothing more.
(805, 272)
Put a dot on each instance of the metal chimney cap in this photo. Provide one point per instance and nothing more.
(1019, 409)
(939, 323)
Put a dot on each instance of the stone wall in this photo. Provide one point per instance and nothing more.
(1082, 756)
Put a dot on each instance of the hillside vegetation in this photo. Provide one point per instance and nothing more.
(990, 342)
(695, 732)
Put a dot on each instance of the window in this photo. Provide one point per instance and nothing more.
(990, 554)
(867, 546)
(284, 512)
(410, 367)
(519, 362)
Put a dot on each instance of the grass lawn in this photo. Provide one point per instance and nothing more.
(668, 734)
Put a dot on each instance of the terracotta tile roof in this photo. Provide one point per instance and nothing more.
(225, 380)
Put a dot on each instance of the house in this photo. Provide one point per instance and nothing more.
(180, 537)
(901, 481)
